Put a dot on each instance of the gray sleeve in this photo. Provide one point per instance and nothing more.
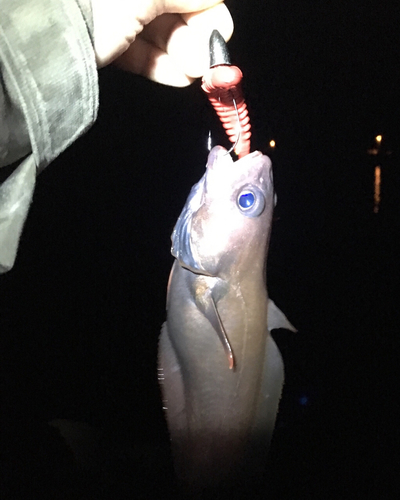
(48, 98)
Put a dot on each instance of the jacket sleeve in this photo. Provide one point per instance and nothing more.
(48, 98)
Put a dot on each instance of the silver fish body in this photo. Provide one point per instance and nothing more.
(221, 373)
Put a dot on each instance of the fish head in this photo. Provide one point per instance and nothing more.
(225, 224)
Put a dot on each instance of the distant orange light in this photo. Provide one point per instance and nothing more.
(378, 138)
(377, 189)
(272, 143)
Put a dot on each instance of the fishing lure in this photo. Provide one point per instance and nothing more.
(222, 84)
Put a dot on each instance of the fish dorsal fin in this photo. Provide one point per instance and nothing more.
(207, 305)
(276, 318)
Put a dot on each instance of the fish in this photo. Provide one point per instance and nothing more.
(220, 371)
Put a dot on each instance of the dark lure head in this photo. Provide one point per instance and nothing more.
(225, 224)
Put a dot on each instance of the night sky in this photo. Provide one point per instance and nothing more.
(81, 311)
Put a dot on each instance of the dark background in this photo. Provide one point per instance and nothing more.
(82, 309)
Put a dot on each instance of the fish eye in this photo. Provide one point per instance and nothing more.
(251, 201)
(246, 200)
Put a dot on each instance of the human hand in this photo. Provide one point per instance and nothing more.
(164, 40)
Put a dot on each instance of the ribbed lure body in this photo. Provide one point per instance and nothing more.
(222, 84)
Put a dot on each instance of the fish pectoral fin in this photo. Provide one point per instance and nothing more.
(207, 305)
(276, 318)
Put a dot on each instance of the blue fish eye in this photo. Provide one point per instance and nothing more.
(246, 200)
(251, 201)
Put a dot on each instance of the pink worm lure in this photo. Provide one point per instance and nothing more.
(222, 84)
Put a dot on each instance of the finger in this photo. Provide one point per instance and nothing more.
(160, 30)
(145, 59)
(188, 6)
(174, 49)
(217, 17)
(189, 44)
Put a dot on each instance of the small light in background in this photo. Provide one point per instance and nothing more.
(375, 150)
(303, 400)
(272, 143)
